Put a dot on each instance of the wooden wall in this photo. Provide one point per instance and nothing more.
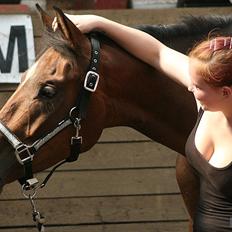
(125, 183)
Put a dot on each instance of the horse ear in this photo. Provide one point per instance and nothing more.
(69, 30)
(47, 19)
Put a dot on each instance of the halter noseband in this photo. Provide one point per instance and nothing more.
(25, 153)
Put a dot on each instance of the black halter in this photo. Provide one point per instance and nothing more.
(25, 153)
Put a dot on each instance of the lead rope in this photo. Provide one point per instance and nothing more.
(30, 190)
(37, 217)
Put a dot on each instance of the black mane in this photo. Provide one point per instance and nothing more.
(188, 26)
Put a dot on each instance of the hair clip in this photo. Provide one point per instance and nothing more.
(218, 44)
(225, 42)
(212, 45)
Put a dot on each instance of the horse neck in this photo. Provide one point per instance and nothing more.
(138, 96)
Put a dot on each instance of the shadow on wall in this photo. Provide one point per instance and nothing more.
(10, 1)
(203, 3)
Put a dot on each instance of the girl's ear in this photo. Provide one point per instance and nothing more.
(226, 91)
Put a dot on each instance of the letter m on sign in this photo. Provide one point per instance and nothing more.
(17, 35)
(16, 46)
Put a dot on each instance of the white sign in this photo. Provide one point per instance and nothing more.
(149, 4)
(17, 51)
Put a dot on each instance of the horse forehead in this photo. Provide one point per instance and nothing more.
(52, 57)
(31, 71)
(48, 60)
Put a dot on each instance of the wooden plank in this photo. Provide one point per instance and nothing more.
(8, 87)
(122, 134)
(103, 183)
(4, 96)
(124, 155)
(181, 226)
(95, 210)
(39, 45)
(133, 227)
(14, 9)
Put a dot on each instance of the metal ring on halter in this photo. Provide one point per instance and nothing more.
(29, 193)
(73, 113)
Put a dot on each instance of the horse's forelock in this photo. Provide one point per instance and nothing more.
(56, 41)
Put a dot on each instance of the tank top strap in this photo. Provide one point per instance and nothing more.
(199, 116)
(200, 112)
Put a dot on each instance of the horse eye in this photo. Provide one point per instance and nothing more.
(47, 92)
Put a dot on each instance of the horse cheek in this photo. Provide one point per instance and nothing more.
(94, 123)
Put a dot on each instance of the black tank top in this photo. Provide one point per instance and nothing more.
(214, 210)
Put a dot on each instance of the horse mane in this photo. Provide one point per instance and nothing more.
(189, 26)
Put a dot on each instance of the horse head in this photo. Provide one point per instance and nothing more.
(50, 96)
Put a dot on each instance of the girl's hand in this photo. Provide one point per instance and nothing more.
(85, 23)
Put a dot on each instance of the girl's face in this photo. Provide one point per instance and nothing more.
(210, 97)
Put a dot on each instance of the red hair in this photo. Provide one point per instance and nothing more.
(215, 60)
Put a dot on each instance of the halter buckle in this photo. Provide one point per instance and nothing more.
(23, 154)
(91, 81)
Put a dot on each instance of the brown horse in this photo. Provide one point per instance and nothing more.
(50, 104)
